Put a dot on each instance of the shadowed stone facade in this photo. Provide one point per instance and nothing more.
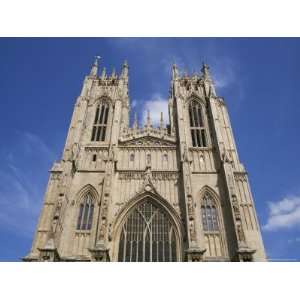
(174, 193)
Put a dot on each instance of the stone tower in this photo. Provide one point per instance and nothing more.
(174, 193)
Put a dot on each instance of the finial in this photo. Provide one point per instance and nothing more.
(125, 67)
(161, 120)
(113, 74)
(205, 71)
(185, 74)
(174, 71)
(94, 69)
(148, 119)
(194, 74)
(97, 58)
(135, 123)
(103, 75)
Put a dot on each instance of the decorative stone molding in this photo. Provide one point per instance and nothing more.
(49, 252)
(146, 141)
(240, 176)
(195, 254)
(133, 164)
(156, 175)
(245, 254)
(100, 254)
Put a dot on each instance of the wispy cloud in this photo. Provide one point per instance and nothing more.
(224, 70)
(22, 181)
(294, 240)
(283, 214)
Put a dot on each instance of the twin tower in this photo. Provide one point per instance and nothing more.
(157, 194)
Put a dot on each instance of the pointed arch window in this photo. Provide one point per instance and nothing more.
(198, 131)
(148, 235)
(209, 214)
(86, 211)
(211, 227)
(100, 122)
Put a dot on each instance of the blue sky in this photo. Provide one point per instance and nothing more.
(259, 79)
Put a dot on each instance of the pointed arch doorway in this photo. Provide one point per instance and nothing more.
(148, 234)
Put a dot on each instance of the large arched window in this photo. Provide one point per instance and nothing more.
(148, 234)
(197, 124)
(100, 122)
(86, 211)
(211, 227)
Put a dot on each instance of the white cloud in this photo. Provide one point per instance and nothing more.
(283, 214)
(223, 72)
(156, 104)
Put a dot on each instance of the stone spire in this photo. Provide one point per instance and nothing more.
(148, 123)
(113, 74)
(205, 71)
(161, 120)
(103, 75)
(124, 73)
(135, 123)
(208, 85)
(94, 69)
(174, 72)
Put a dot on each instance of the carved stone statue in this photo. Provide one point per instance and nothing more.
(75, 151)
(240, 233)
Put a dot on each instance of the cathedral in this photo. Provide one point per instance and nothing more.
(148, 193)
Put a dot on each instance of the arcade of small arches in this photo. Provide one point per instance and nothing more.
(148, 231)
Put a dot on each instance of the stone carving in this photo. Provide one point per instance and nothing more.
(147, 141)
(178, 177)
(192, 230)
(235, 207)
(56, 216)
(148, 176)
(75, 151)
(190, 208)
(240, 176)
(156, 175)
(240, 232)
(185, 155)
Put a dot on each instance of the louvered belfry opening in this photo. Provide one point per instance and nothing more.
(148, 235)
(100, 122)
(197, 125)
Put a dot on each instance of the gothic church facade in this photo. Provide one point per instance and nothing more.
(164, 193)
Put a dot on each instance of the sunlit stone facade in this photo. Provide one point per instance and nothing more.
(150, 193)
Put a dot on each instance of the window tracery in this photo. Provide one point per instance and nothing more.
(148, 235)
(211, 227)
(86, 211)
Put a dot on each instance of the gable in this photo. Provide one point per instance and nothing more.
(147, 141)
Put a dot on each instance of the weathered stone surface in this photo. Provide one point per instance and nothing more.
(190, 185)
